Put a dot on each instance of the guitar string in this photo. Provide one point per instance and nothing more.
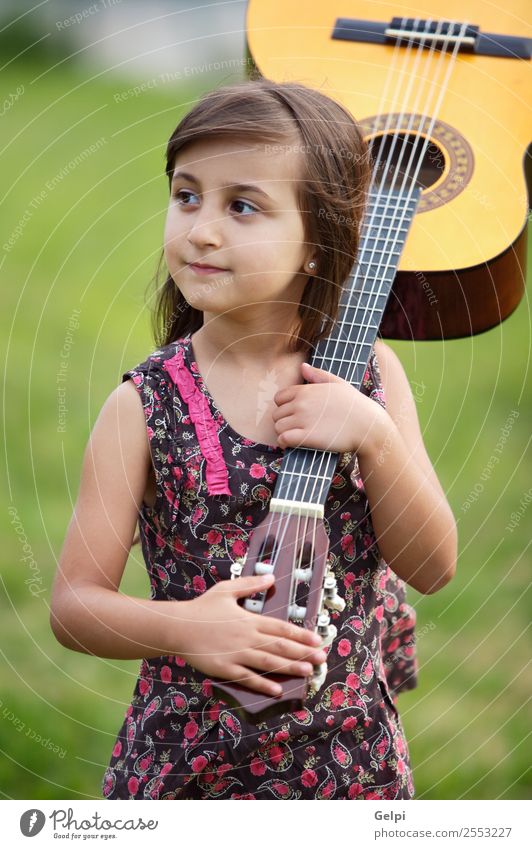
(342, 323)
(392, 118)
(435, 112)
(389, 121)
(398, 87)
(419, 49)
(397, 53)
(387, 201)
(394, 217)
(427, 137)
(421, 132)
(401, 53)
(323, 457)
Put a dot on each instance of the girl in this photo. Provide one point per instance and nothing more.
(267, 188)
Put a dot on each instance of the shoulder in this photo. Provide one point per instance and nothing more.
(118, 447)
(388, 361)
(155, 362)
(391, 374)
(400, 402)
(121, 419)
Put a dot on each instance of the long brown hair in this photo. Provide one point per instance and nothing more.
(331, 192)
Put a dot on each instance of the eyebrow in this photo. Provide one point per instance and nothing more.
(240, 187)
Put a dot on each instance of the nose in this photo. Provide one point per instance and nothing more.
(205, 228)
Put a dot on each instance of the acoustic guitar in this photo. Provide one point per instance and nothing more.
(461, 113)
(424, 171)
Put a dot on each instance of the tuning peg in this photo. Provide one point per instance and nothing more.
(254, 605)
(326, 631)
(297, 613)
(263, 567)
(317, 679)
(236, 567)
(303, 575)
(332, 600)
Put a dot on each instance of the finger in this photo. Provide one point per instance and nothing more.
(292, 438)
(272, 627)
(286, 423)
(251, 680)
(319, 375)
(286, 409)
(275, 648)
(278, 664)
(284, 395)
(241, 587)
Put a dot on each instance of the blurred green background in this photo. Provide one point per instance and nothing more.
(84, 200)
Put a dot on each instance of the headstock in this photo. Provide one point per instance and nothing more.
(295, 548)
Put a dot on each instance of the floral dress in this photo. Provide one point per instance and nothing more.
(179, 739)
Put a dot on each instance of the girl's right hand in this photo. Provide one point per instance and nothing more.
(223, 640)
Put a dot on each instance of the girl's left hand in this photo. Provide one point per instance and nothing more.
(328, 414)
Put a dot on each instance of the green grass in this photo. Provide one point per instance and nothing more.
(92, 245)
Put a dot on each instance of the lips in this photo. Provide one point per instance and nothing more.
(203, 267)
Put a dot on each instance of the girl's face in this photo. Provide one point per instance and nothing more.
(233, 206)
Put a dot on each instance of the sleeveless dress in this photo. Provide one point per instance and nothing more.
(178, 739)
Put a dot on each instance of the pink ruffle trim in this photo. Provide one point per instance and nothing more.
(216, 474)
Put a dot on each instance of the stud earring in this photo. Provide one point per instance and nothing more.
(312, 265)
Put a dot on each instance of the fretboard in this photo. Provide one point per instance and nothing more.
(306, 474)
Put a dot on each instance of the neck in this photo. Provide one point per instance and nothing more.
(257, 339)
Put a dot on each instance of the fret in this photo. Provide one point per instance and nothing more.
(358, 311)
(381, 249)
(306, 475)
(300, 474)
(332, 363)
(388, 199)
(302, 462)
(363, 297)
(406, 207)
(373, 235)
(393, 230)
(390, 211)
(377, 269)
(358, 351)
(348, 361)
(380, 219)
(297, 490)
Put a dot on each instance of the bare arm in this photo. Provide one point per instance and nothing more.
(413, 523)
(89, 614)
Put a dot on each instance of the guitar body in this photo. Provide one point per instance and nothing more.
(462, 269)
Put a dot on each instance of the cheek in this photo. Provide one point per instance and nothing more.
(280, 250)
(171, 245)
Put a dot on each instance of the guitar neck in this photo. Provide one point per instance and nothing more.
(306, 474)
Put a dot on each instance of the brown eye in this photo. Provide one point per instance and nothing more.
(183, 197)
(244, 203)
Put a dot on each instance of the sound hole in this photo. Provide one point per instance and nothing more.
(397, 155)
